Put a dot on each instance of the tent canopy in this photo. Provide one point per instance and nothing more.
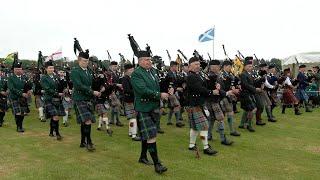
(302, 58)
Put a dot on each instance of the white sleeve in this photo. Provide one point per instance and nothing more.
(288, 82)
(267, 84)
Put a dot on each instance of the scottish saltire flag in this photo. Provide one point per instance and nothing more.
(207, 36)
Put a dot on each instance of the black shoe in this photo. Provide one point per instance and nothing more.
(159, 168)
(235, 133)
(1, 124)
(51, 135)
(250, 129)
(260, 123)
(111, 123)
(65, 124)
(42, 120)
(297, 113)
(109, 132)
(59, 137)
(145, 161)
(272, 120)
(136, 138)
(210, 151)
(160, 131)
(99, 129)
(241, 127)
(169, 123)
(194, 148)
(82, 145)
(119, 124)
(210, 138)
(180, 124)
(20, 130)
(227, 142)
(90, 147)
(308, 110)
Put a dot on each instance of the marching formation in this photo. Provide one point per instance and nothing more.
(207, 92)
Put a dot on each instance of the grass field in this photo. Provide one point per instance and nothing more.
(288, 149)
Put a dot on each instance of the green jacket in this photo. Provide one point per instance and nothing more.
(3, 84)
(50, 87)
(15, 86)
(146, 90)
(82, 82)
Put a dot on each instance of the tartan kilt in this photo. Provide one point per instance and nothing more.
(67, 104)
(38, 101)
(226, 105)
(217, 111)
(84, 111)
(247, 102)
(19, 108)
(53, 110)
(101, 109)
(197, 119)
(129, 110)
(173, 103)
(260, 100)
(288, 97)
(302, 95)
(267, 99)
(3, 104)
(147, 124)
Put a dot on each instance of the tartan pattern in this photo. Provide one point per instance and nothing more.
(67, 104)
(247, 102)
(173, 103)
(288, 97)
(302, 95)
(267, 99)
(38, 101)
(226, 105)
(18, 108)
(198, 121)
(3, 104)
(147, 125)
(129, 110)
(217, 111)
(83, 112)
(52, 110)
(101, 109)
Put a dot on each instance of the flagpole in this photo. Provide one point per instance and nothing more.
(213, 42)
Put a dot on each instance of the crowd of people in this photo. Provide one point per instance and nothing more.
(207, 95)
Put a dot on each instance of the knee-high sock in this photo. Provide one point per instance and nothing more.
(56, 127)
(220, 129)
(230, 122)
(204, 139)
(65, 118)
(193, 138)
(18, 121)
(106, 120)
(100, 122)
(144, 149)
(40, 109)
(51, 126)
(152, 148)
(87, 132)
(283, 108)
(2, 114)
(133, 127)
(170, 115)
(177, 114)
(244, 118)
(83, 136)
(268, 111)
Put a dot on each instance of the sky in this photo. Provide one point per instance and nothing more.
(270, 28)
